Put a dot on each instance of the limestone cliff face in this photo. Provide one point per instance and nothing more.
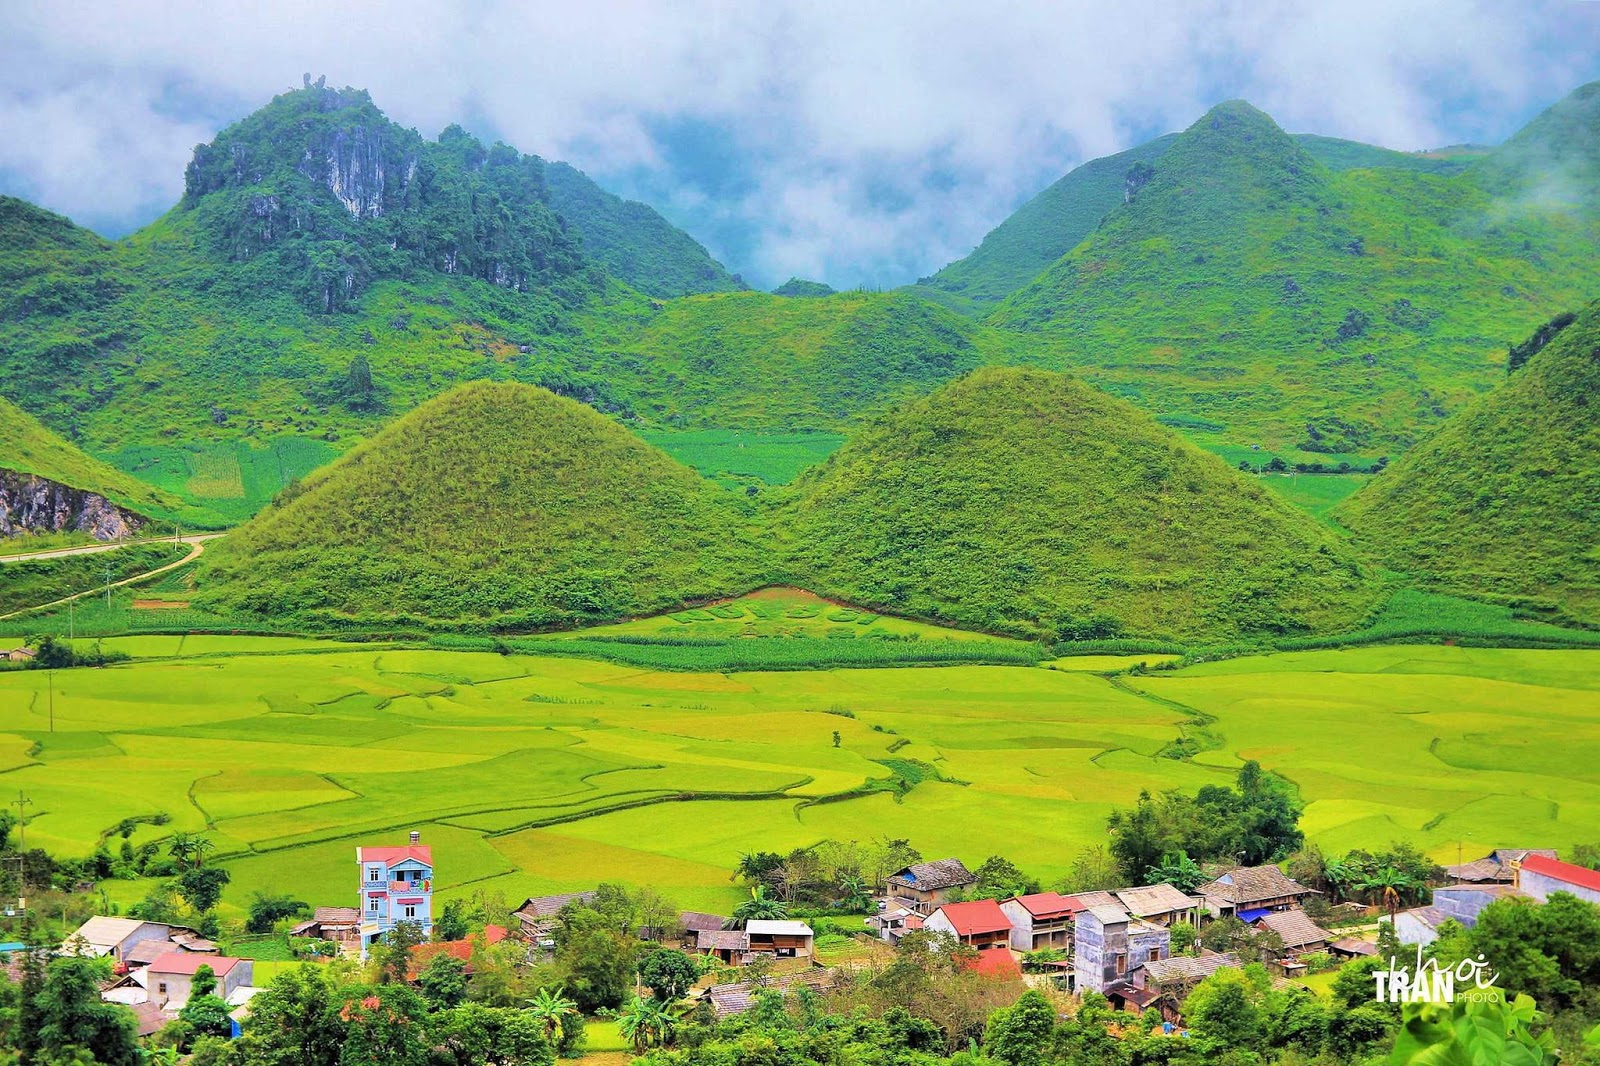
(30, 504)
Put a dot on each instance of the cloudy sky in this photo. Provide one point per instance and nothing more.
(861, 141)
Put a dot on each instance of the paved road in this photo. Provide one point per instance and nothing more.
(197, 545)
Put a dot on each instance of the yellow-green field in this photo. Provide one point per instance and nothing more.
(532, 774)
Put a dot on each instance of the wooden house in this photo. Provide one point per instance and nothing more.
(924, 887)
(1248, 892)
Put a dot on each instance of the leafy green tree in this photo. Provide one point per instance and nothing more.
(1021, 1034)
(451, 922)
(1183, 936)
(358, 391)
(444, 981)
(393, 954)
(201, 886)
(667, 973)
(1223, 1008)
(384, 1025)
(266, 910)
(558, 1016)
(1387, 886)
(598, 967)
(1093, 869)
(645, 1022)
(475, 1035)
(296, 1020)
(72, 1015)
(761, 905)
(999, 878)
(206, 1013)
(1177, 870)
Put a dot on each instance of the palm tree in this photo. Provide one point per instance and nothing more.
(553, 1010)
(1390, 885)
(646, 1022)
(1340, 873)
(203, 846)
(761, 905)
(854, 895)
(182, 848)
(1177, 870)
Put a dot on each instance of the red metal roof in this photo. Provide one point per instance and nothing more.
(187, 962)
(1563, 871)
(1049, 904)
(421, 954)
(978, 916)
(996, 962)
(423, 853)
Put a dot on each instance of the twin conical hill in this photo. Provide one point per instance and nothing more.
(1505, 498)
(1027, 502)
(496, 504)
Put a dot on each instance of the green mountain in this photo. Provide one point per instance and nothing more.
(494, 505)
(1251, 289)
(1026, 502)
(631, 241)
(1051, 224)
(28, 448)
(1504, 499)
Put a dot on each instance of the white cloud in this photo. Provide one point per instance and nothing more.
(879, 140)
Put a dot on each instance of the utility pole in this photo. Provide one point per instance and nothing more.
(50, 682)
(22, 802)
(108, 586)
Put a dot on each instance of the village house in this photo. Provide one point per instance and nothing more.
(691, 923)
(1248, 892)
(979, 923)
(728, 946)
(1301, 935)
(396, 886)
(923, 887)
(1041, 920)
(1539, 875)
(18, 655)
(730, 999)
(1460, 903)
(168, 980)
(537, 915)
(894, 922)
(1160, 904)
(782, 939)
(423, 954)
(1497, 866)
(1108, 944)
(342, 925)
(1166, 983)
(131, 942)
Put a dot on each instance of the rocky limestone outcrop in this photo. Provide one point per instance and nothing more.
(31, 504)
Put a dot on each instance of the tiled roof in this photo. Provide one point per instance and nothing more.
(1480, 870)
(1508, 855)
(1084, 900)
(721, 940)
(1295, 927)
(1153, 899)
(696, 920)
(336, 916)
(422, 954)
(738, 998)
(1185, 968)
(975, 917)
(422, 853)
(550, 906)
(1578, 876)
(1049, 904)
(927, 876)
(184, 962)
(1351, 946)
(1247, 884)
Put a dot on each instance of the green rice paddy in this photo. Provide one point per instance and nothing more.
(541, 774)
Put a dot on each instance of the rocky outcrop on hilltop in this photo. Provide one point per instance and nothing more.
(31, 504)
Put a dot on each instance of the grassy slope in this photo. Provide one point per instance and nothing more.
(1027, 502)
(1503, 499)
(28, 448)
(632, 241)
(1251, 286)
(496, 504)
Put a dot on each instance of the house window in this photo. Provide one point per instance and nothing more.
(161, 989)
(411, 911)
(374, 873)
(372, 905)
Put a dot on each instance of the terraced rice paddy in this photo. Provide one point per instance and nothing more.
(533, 774)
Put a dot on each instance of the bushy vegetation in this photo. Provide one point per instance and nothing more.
(29, 583)
(499, 504)
(1026, 502)
(841, 648)
(1503, 499)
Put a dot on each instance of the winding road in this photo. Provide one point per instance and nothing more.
(196, 542)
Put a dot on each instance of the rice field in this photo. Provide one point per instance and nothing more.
(534, 774)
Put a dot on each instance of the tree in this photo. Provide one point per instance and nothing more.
(557, 1015)
(646, 1023)
(451, 922)
(854, 895)
(667, 973)
(1223, 1008)
(1177, 870)
(206, 1013)
(1183, 936)
(72, 1015)
(999, 878)
(201, 886)
(1093, 869)
(267, 910)
(295, 1021)
(204, 982)
(475, 1035)
(1021, 1034)
(598, 966)
(1389, 886)
(358, 391)
(393, 955)
(384, 1025)
(761, 905)
(444, 981)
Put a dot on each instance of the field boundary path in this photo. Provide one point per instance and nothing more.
(197, 546)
